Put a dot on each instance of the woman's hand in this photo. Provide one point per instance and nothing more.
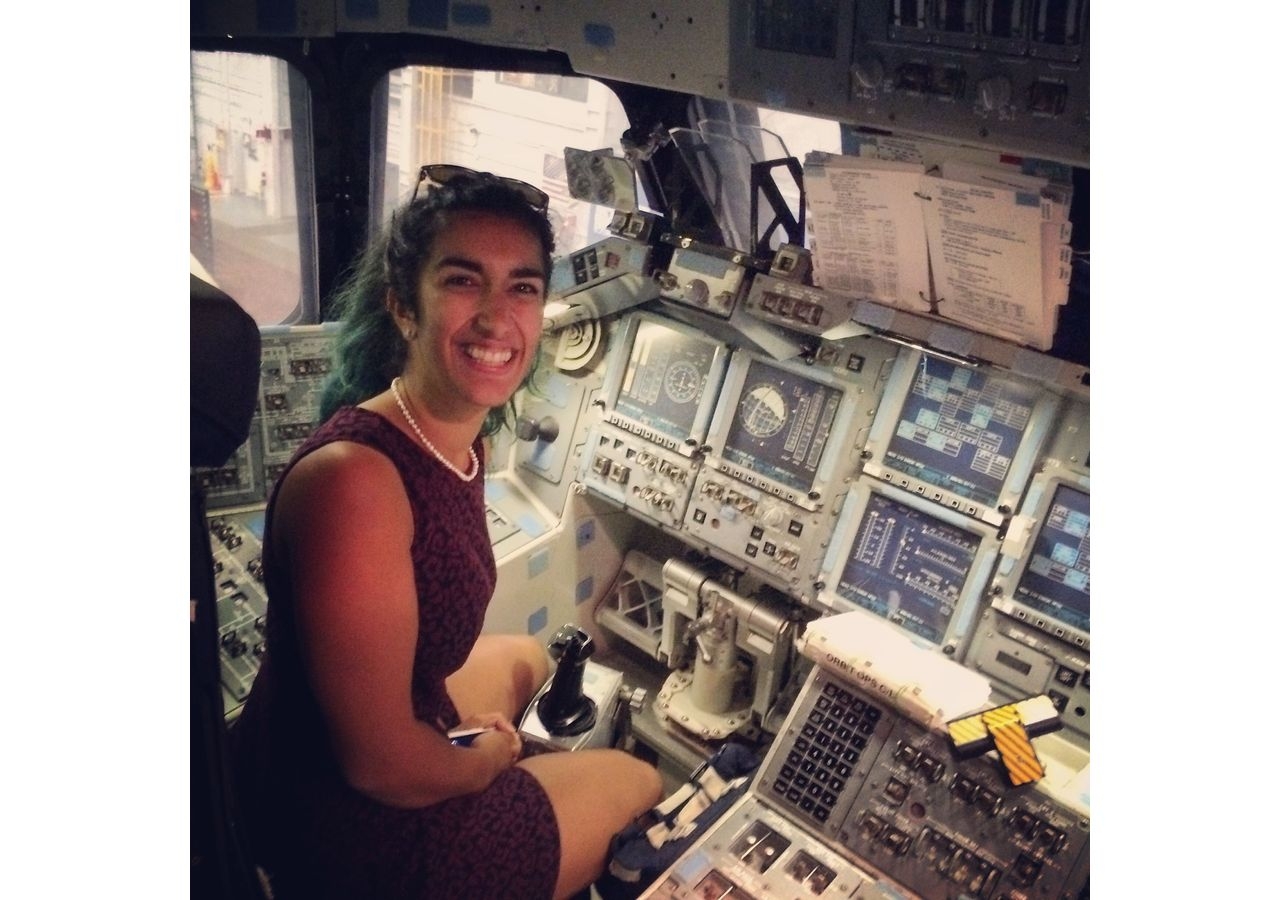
(502, 742)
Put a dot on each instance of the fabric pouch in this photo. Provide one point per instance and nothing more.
(655, 839)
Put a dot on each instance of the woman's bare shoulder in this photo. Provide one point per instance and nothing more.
(343, 477)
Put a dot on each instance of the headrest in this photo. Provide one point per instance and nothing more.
(226, 352)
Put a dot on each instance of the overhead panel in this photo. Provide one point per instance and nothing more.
(1007, 74)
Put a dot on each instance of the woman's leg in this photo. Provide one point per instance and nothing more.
(595, 794)
(501, 674)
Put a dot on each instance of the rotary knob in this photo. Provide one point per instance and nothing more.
(995, 94)
(771, 517)
(868, 74)
(637, 698)
(697, 292)
(544, 429)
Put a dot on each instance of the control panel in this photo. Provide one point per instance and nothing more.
(660, 388)
(236, 541)
(798, 307)
(295, 361)
(706, 277)
(235, 538)
(962, 436)
(781, 454)
(1010, 74)
(595, 264)
(1013, 74)
(651, 481)
(599, 280)
(921, 567)
(1021, 660)
(853, 794)
(753, 852)
(1034, 637)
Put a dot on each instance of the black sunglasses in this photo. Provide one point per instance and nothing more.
(443, 173)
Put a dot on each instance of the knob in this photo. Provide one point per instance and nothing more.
(994, 93)
(772, 517)
(637, 698)
(868, 74)
(697, 292)
(544, 429)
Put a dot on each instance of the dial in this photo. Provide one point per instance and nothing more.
(994, 93)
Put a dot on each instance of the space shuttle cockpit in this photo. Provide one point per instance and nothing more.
(807, 473)
(800, 471)
(743, 508)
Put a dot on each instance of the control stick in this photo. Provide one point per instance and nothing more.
(564, 709)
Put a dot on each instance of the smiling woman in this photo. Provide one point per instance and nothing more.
(379, 303)
(379, 572)
(472, 326)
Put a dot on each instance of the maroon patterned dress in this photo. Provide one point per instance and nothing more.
(316, 836)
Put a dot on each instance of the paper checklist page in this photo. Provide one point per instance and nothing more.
(867, 229)
(987, 259)
(1055, 245)
(1055, 228)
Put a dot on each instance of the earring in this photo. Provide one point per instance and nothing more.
(410, 334)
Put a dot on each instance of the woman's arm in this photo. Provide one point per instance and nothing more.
(345, 527)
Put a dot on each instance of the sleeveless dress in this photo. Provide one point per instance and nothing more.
(316, 836)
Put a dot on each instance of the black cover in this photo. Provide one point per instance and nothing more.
(225, 352)
(225, 361)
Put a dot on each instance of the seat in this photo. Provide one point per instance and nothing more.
(225, 361)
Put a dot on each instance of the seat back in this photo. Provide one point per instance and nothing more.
(225, 360)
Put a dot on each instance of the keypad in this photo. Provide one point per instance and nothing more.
(822, 758)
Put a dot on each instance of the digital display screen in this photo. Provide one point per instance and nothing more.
(908, 566)
(960, 429)
(1056, 578)
(665, 378)
(781, 425)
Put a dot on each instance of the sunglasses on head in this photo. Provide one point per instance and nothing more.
(443, 173)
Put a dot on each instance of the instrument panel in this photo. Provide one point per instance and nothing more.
(1009, 74)
(1013, 74)
(854, 799)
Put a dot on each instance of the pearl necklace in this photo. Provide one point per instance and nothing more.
(475, 463)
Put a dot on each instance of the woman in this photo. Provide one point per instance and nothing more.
(379, 569)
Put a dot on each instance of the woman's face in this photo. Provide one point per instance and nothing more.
(480, 303)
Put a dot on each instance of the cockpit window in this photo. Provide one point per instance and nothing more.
(515, 124)
(252, 196)
(727, 139)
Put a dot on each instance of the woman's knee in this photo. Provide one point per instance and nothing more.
(648, 783)
(600, 780)
(531, 666)
(633, 783)
(534, 653)
(503, 672)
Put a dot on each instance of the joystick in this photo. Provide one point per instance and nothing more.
(564, 709)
